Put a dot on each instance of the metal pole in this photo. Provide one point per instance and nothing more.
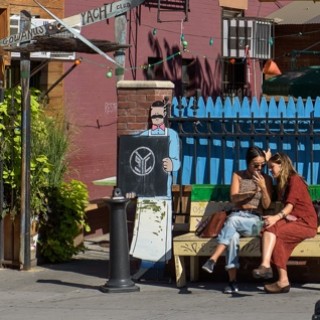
(120, 23)
(75, 64)
(119, 270)
(25, 24)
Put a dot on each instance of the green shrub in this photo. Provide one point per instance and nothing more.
(63, 221)
(58, 206)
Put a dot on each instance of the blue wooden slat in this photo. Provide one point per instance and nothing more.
(236, 106)
(317, 108)
(191, 111)
(210, 108)
(201, 111)
(300, 108)
(184, 103)
(282, 108)
(215, 161)
(245, 110)
(186, 170)
(273, 108)
(175, 107)
(215, 165)
(264, 108)
(218, 108)
(291, 108)
(228, 109)
(201, 166)
(308, 108)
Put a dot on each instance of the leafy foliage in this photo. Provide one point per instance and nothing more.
(10, 136)
(58, 206)
(63, 221)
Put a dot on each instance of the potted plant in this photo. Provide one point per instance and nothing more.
(51, 197)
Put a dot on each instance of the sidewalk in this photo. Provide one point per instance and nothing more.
(71, 291)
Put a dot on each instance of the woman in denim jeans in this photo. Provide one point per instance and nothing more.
(250, 192)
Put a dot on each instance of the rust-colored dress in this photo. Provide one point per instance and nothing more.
(291, 233)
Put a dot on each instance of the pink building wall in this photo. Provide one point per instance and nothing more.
(90, 97)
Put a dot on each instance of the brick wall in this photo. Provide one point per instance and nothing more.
(134, 101)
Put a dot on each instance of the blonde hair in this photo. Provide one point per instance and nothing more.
(287, 169)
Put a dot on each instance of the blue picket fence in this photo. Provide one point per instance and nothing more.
(215, 135)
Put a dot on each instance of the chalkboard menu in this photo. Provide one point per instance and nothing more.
(140, 165)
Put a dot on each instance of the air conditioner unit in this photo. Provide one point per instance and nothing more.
(243, 36)
(36, 22)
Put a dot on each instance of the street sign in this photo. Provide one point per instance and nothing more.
(85, 18)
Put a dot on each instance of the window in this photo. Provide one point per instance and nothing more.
(155, 70)
(188, 75)
(234, 78)
(185, 86)
(38, 80)
(242, 38)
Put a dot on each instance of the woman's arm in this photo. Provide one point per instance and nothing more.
(235, 195)
(271, 220)
(264, 182)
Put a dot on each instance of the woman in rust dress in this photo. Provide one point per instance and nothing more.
(282, 232)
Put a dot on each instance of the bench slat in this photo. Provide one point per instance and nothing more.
(191, 245)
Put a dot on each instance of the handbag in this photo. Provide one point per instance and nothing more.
(316, 204)
(211, 227)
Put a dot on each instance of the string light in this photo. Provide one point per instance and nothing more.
(184, 44)
(271, 41)
(109, 73)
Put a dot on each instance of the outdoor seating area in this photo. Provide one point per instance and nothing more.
(205, 200)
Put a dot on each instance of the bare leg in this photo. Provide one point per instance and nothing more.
(283, 277)
(268, 243)
(218, 252)
(232, 274)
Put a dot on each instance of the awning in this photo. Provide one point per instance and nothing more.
(301, 83)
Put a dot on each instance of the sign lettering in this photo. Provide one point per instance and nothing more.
(85, 18)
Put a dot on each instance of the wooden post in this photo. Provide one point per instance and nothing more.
(4, 17)
(25, 24)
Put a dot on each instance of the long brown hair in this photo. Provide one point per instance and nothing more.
(287, 169)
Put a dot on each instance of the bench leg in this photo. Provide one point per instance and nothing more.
(180, 271)
(194, 268)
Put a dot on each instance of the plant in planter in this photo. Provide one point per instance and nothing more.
(64, 218)
(61, 223)
(57, 206)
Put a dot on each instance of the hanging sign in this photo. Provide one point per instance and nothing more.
(107, 11)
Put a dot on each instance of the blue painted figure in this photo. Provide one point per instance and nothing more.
(152, 235)
(158, 115)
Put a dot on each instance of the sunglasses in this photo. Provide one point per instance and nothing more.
(257, 165)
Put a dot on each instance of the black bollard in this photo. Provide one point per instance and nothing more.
(119, 269)
(316, 315)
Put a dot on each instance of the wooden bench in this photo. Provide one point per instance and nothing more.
(189, 245)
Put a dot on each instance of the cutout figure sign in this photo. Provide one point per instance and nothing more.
(151, 158)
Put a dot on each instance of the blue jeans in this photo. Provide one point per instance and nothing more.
(240, 223)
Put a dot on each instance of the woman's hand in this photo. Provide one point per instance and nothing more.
(267, 154)
(269, 221)
(259, 180)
